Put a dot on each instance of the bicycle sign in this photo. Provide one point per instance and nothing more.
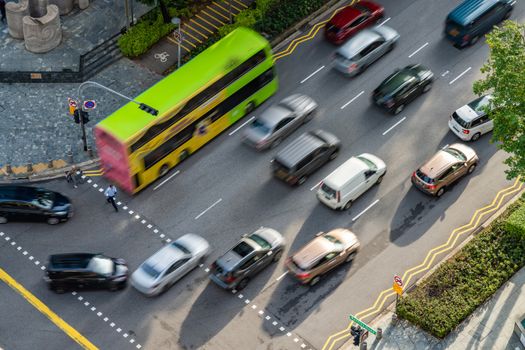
(163, 56)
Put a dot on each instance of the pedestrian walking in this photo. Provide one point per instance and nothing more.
(2, 10)
(110, 193)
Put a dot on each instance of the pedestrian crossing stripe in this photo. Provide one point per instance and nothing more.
(200, 25)
(211, 24)
(225, 10)
(215, 18)
(196, 31)
(232, 5)
(189, 34)
(217, 12)
(177, 43)
(242, 4)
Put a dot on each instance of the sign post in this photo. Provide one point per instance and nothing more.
(397, 286)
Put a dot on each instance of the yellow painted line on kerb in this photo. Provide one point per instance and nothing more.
(60, 323)
(427, 264)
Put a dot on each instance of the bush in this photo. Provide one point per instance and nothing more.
(516, 222)
(464, 282)
(139, 38)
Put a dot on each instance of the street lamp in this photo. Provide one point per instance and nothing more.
(143, 106)
(176, 21)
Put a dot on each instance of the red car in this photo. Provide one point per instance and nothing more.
(351, 20)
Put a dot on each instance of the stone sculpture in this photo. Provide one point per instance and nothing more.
(38, 22)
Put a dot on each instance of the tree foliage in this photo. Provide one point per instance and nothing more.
(505, 80)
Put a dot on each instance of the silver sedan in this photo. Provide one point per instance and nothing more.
(161, 270)
(279, 121)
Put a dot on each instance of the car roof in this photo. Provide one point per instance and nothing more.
(396, 80)
(23, 193)
(274, 115)
(163, 258)
(358, 42)
(473, 109)
(231, 259)
(345, 171)
(439, 162)
(347, 14)
(469, 10)
(298, 149)
(312, 252)
(70, 260)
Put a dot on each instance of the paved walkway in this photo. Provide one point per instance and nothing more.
(194, 32)
(490, 327)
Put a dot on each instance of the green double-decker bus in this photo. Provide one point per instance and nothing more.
(195, 103)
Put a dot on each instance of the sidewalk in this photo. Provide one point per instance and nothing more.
(490, 327)
(194, 32)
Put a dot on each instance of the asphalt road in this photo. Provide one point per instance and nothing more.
(227, 189)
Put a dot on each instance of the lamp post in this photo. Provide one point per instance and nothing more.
(80, 96)
(176, 21)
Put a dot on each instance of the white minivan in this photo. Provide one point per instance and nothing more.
(471, 121)
(350, 180)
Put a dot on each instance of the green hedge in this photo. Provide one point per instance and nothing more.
(463, 283)
(139, 38)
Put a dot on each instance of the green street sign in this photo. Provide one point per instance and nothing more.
(363, 325)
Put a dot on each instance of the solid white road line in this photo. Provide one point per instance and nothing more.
(352, 100)
(386, 20)
(393, 126)
(311, 75)
(243, 124)
(163, 182)
(361, 213)
(284, 274)
(445, 73)
(420, 48)
(211, 206)
(459, 76)
(311, 189)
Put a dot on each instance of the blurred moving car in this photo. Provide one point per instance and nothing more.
(473, 18)
(26, 203)
(304, 156)
(351, 19)
(247, 258)
(279, 121)
(161, 270)
(471, 121)
(446, 167)
(65, 271)
(403, 86)
(364, 49)
(322, 254)
(350, 180)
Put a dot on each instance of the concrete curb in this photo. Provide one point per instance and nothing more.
(48, 174)
(390, 308)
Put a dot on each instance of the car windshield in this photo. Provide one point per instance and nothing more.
(243, 249)
(459, 155)
(150, 270)
(464, 124)
(260, 241)
(259, 126)
(368, 162)
(394, 82)
(328, 190)
(101, 265)
(44, 199)
(180, 247)
(479, 104)
(424, 177)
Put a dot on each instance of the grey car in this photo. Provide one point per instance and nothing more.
(161, 270)
(363, 49)
(279, 121)
(247, 258)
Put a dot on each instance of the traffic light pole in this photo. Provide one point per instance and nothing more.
(80, 95)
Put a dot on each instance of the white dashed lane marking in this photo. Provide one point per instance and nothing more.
(352, 100)
(240, 127)
(211, 206)
(311, 75)
(393, 126)
(419, 49)
(460, 75)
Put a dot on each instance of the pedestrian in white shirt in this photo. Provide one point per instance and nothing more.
(110, 193)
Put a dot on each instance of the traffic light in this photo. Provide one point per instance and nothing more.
(148, 109)
(85, 117)
(76, 116)
(356, 333)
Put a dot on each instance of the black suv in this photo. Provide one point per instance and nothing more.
(85, 270)
(253, 253)
(402, 86)
(28, 203)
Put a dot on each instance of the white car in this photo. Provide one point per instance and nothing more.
(161, 270)
(471, 121)
(350, 180)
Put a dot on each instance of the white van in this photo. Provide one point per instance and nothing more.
(353, 178)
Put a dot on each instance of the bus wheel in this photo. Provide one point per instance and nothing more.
(183, 155)
(250, 107)
(164, 170)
